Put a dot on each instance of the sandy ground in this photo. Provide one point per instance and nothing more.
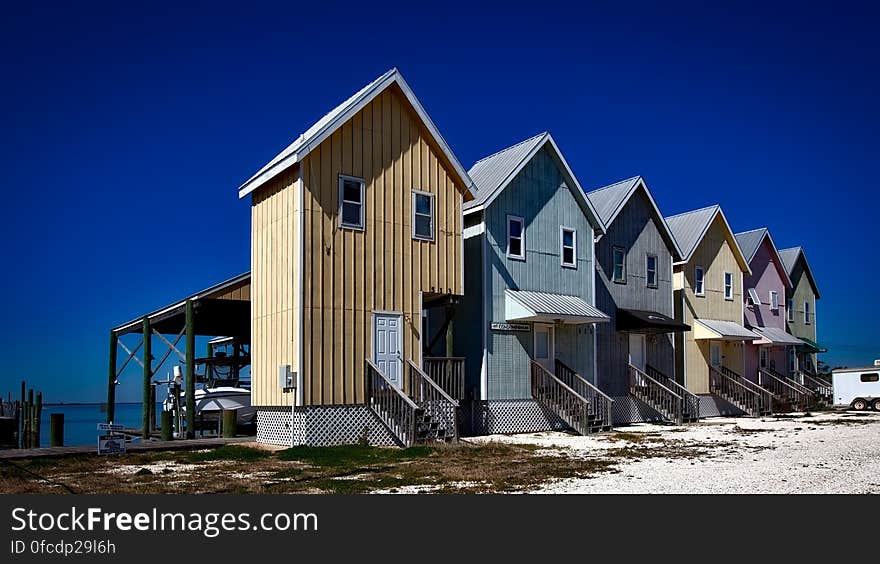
(824, 453)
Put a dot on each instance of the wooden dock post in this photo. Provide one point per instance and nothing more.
(167, 426)
(56, 429)
(29, 414)
(111, 379)
(21, 415)
(148, 377)
(38, 416)
(190, 372)
(230, 423)
(153, 424)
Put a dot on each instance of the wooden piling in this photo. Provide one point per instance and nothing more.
(167, 426)
(230, 422)
(38, 416)
(153, 424)
(30, 418)
(190, 372)
(56, 429)
(148, 377)
(111, 378)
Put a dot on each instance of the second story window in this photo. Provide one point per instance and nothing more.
(568, 247)
(774, 300)
(423, 215)
(351, 202)
(807, 318)
(699, 282)
(728, 286)
(516, 237)
(618, 273)
(763, 357)
(651, 271)
(789, 309)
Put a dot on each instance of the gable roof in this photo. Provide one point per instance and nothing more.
(611, 199)
(327, 125)
(689, 228)
(492, 174)
(750, 242)
(789, 259)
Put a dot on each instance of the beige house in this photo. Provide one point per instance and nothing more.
(356, 229)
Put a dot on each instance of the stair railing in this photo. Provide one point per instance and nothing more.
(393, 407)
(600, 402)
(765, 395)
(734, 391)
(570, 406)
(818, 386)
(787, 389)
(447, 372)
(655, 394)
(432, 398)
(691, 401)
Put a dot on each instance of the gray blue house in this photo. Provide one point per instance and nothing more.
(634, 286)
(526, 324)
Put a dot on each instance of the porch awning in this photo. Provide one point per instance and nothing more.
(520, 305)
(715, 329)
(640, 321)
(809, 346)
(775, 336)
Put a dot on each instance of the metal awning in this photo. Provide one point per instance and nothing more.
(775, 336)
(810, 346)
(715, 329)
(520, 305)
(640, 321)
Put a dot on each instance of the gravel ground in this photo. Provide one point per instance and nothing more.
(822, 453)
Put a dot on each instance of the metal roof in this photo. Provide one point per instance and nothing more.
(728, 329)
(555, 307)
(750, 242)
(611, 199)
(777, 336)
(789, 259)
(492, 174)
(689, 228)
(339, 115)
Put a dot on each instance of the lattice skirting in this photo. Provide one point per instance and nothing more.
(627, 410)
(714, 406)
(324, 425)
(508, 416)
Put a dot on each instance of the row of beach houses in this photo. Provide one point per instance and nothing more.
(397, 297)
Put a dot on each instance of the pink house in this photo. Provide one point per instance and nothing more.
(764, 311)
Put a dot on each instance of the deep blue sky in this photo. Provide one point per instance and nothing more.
(126, 130)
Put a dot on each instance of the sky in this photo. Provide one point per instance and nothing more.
(127, 128)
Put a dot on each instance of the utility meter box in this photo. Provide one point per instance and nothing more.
(286, 377)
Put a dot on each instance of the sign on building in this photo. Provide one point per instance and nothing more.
(510, 327)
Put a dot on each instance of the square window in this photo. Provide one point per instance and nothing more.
(423, 216)
(568, 247)
(351, 202)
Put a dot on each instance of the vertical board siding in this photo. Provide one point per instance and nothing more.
(715, 255)
(635, 230)
(766, 276)
(349, 274)
(802, 290)
(540, 196)
(272, 291)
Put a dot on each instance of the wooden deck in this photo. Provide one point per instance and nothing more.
(183, 444)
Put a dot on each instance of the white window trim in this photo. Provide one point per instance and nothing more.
(363, 185)
(656, 273)
(623, 264)
(701, 293)
(522, 238)
(807, 313)
(574, 247)
(416, 236)
(770, 297)
(789, 310)
(726, 297)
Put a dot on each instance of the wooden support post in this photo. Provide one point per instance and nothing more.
(21, 415)
(152, 407)
(30, 418)
(56, 429)
(148, 376)
(167, 426)
(111, 379)
(38, 416)
(450, 331)
(190, 372)
(230, 422)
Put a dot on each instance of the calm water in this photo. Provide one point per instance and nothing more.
(81, 421)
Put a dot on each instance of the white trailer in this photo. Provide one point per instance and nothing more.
(858, 388)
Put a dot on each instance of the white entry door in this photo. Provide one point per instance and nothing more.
(387, 345)
(715, 353)
(545, 347)
(637, 353)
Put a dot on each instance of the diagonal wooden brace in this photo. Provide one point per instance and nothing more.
(131, 355)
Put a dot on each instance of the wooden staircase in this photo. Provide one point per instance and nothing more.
(426, 414)
(788, 394)
(659, 397)
(746, 395)
(690, 402)
(821, 387)
(574, 400)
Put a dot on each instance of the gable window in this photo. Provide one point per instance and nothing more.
(351, 202)
(728, 286)
(568, 247)
(618, 273)
(789, 309)
(423, 215)
(753, 297)
(774, 300)
(807, 319)
(516, 237)
(651, 271)
(699, 282)
(763, 357)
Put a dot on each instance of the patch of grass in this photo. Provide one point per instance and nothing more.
(235, 453)
(633, 437)
(348, 457)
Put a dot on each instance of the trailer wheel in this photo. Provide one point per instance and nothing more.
(876, 405)
(859, 404)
